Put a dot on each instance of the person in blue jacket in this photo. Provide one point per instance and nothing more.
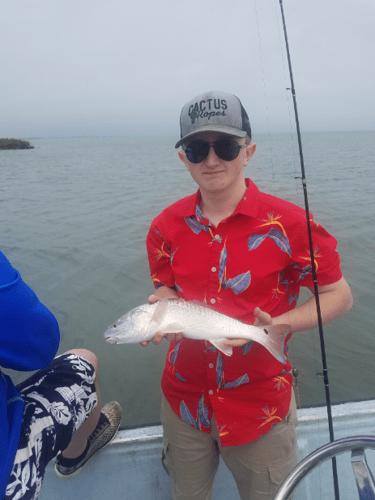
(56, 411)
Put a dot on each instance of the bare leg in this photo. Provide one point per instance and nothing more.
(78, 442)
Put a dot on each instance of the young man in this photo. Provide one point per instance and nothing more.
(246, 254)
(57, 411)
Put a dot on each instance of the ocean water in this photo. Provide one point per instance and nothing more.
(74, 214)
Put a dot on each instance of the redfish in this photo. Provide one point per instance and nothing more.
(195, 321)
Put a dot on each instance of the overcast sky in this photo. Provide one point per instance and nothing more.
(121, 67)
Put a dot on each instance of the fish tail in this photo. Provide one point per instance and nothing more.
(274, 340)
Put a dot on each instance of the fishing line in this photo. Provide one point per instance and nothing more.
(314, 276)
(265, 97)
(296, 197)
(288, 106)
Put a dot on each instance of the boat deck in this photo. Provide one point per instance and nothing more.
(130, 467)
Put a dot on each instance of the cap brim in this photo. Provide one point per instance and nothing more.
(236, 132)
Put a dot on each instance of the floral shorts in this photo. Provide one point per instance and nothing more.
(57, 400)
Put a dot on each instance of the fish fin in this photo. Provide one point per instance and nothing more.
(219, 344)
(159, 312)
(172, 328)
(274, 340)
(157, 317)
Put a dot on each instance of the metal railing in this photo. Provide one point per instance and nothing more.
(363, 476)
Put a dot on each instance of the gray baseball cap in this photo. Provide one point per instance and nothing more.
(214, 112)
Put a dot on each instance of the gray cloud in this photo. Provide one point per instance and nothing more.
(126, 68)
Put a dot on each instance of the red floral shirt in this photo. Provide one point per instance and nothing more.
(259, 256)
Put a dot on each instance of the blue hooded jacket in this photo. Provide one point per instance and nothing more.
(29, 339)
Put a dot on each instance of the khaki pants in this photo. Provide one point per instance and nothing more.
(191, 458)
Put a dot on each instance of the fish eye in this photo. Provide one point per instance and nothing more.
(266, 331)
(114, 325)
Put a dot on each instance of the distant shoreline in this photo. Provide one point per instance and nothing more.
(15, 144)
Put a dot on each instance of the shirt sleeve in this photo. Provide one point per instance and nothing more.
(29, 333)
(326, 258)
(159, 258)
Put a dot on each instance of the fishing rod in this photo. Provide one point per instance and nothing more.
(313, 267)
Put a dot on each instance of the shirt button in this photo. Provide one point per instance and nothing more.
(211, 365)
(217, 236)
(213, 269)
(210, 392)
(212, 301)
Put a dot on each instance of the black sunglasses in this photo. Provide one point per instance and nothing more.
(226, 149)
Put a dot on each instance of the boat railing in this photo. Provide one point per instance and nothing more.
(355, 444)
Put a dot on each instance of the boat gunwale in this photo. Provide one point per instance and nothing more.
(306, 416)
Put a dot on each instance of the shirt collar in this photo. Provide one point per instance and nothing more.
(190, 206)
(250, 202)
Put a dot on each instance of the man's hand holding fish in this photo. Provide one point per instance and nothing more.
(261, 319)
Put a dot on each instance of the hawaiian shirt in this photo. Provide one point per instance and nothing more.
(259, 256)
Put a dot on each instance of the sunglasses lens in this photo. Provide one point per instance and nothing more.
(226, 149)
(197, 151)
